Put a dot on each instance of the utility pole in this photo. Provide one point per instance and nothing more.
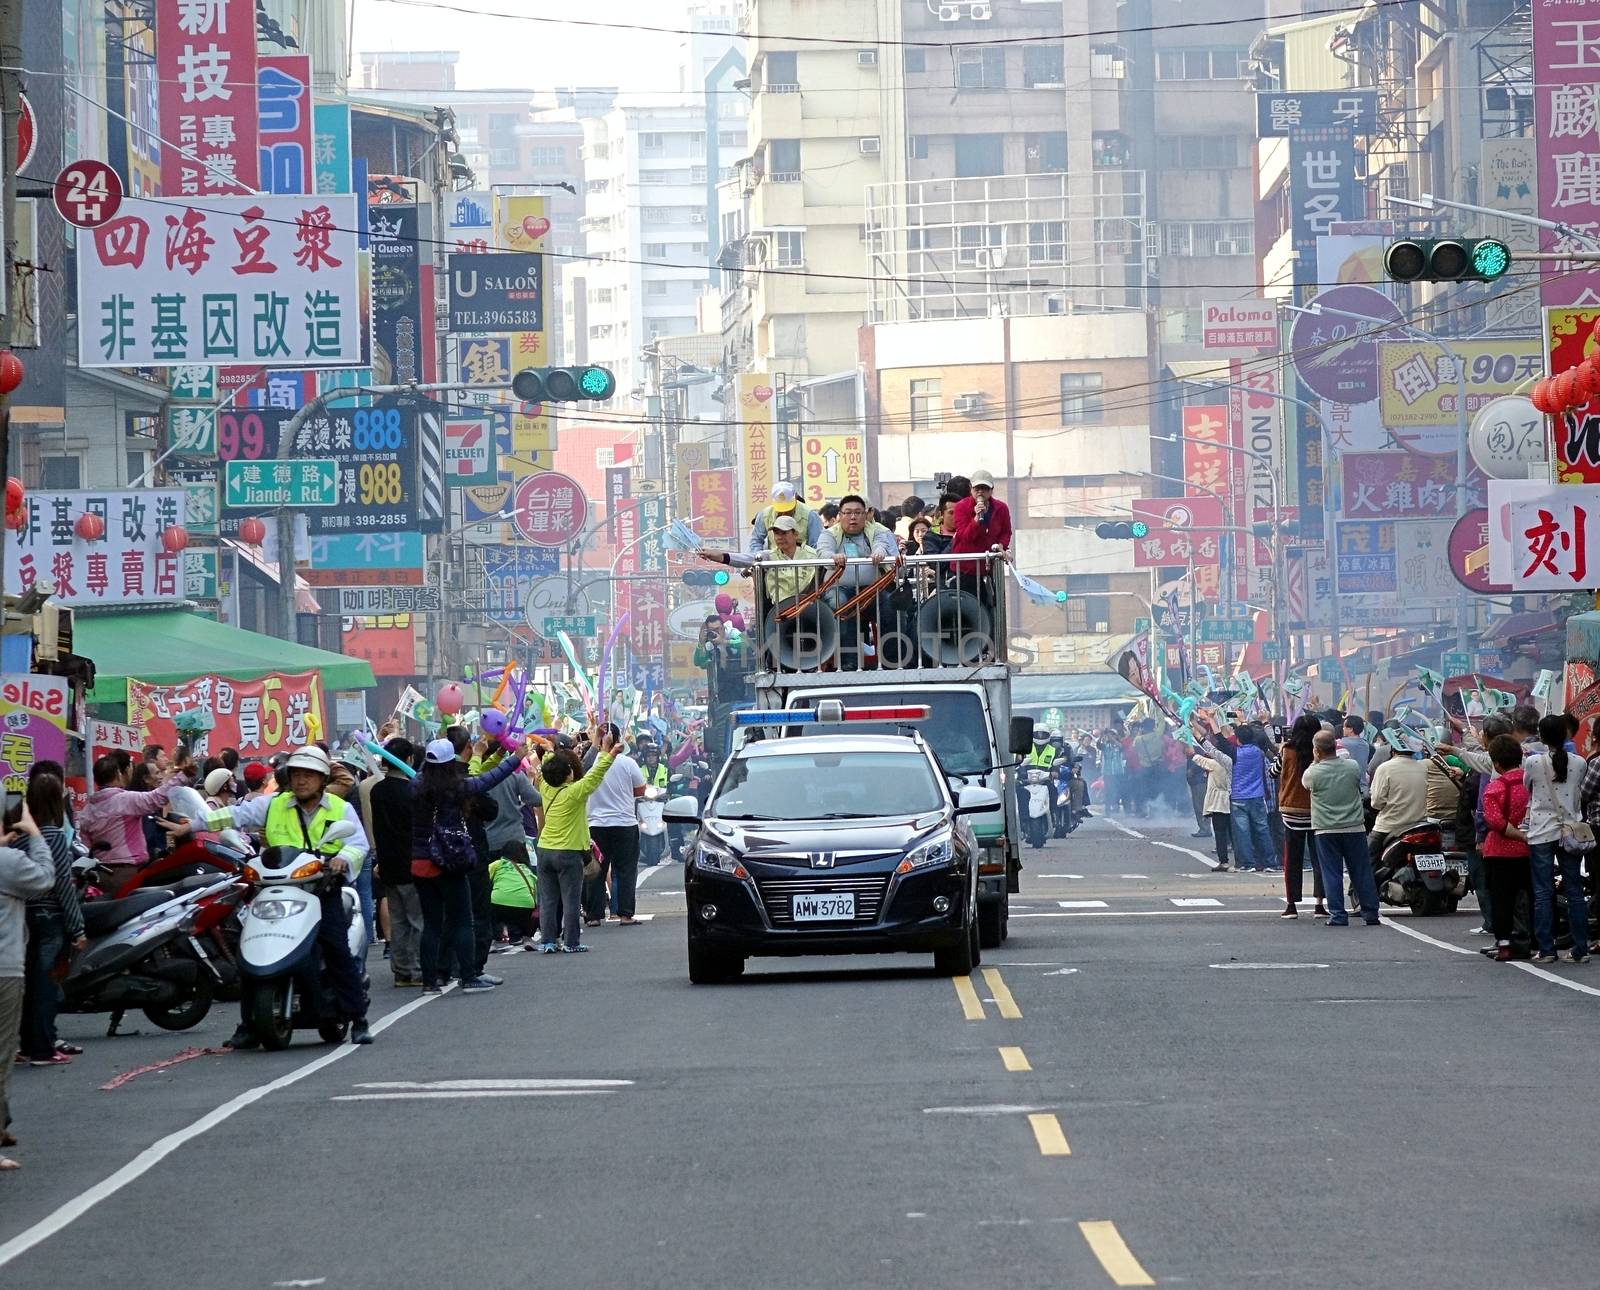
(10, 120)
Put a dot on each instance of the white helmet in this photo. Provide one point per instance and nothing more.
(311, 758)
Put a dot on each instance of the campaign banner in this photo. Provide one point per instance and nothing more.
(270, 281)
(755, 454)
(1566, 138)
(258, 717)
(1396, 486)
(205, 73)
(34, 715)
(286, 126)
(126, 565)
(496, 292)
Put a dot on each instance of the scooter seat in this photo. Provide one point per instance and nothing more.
(101, 916)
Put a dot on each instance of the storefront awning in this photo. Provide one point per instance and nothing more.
(170, 646)
(1070, 689)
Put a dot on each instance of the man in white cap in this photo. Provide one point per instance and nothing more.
(784, 502)
(779, 582)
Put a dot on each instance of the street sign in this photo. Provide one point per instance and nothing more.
(366, 602)
(87, 193)
(1456, 663)
(1141, 626)
(1330, 668)
(1271, 652)
(572, 624)
(549, 509)
(276, 482)
(1239, 630)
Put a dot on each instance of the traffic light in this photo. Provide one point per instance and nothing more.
(563, 384)
(1447, 259)
(1122, 529)
(705, 577)
(1061, 597)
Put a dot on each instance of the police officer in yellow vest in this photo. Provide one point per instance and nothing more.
(299, 818)
(1043, 756)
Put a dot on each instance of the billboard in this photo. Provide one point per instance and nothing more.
(206, 74)
(127, 565)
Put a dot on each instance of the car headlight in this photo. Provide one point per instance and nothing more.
(939, 850)
(716, 860)
(272, 910)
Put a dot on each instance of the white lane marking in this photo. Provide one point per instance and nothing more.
(315, 1281)
(1194, 902)
(984, 1110)
(1075, 876)
(1132, 833)
(1267, 967)
(1140, 877)
(1206, 860)
(648, 873)
(1082, 904)
(1063, 972)
(435, 1095)
(151, 1156)
(1526, 967)
(1141, 913)
(463, 1085)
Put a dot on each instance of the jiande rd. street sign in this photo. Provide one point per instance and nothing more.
(273, 482)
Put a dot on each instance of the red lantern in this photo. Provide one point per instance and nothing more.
(89, 526)
(253, 531)
(16, 520)
(14, 494)
(1541, 396)
(1588, 383)
(10, 371)
(1567, 389)
(174, 539)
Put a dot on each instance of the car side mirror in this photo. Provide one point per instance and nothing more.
(1021, 736)
(682, 810)
(975, 800)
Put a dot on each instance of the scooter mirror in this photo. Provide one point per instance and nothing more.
(187, 802)
(338, 831)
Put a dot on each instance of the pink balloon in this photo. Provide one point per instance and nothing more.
(724, 604)
(449, 699)
(737, 622)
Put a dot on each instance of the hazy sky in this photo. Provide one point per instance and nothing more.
(508, 53)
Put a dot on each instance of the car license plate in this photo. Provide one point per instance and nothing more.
(825, 907)
(1439, 864)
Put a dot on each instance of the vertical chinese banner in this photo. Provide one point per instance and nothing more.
(617, 490)
(711, 502)
(330, 148)
(1566, 81)
(1209, 470)
(206, 71)
(520, 224)
(286, 131)
(755, 444)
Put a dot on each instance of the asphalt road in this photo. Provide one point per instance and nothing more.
(1155, 1081)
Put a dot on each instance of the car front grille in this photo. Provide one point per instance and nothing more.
(775, 894)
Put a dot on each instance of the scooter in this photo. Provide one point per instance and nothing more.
(143, 952)
(283, 984)
(1415, 870)
(1036, 798)
(652, 824)
(1061, 816)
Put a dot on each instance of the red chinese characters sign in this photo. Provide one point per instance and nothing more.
(711, 502)
(206, 73)
(1566, 83)
(1555, 540)
(549, 509)
(647, 628)
(259, 717)
(1397, 486)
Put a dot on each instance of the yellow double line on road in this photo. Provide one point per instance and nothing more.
(1103, 1239)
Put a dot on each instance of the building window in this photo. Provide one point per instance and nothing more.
(917, 147)
(783, 157)
(916, 59)
(502, 156)
(650, 141)
(657, 288)
(1047, 242)
(979, 154)
(63, 472)
(789, 248)
(1082, 400)
(782, 69)
(1197, 151)
(927, 404)
(697, 174)
(1203, 237)
(1198, 64)
(1046, 153)
(730, 138)
(656, 214)
(981, 67)
(549, 157)
(1042, 65)
(655, 248)
(971, 239)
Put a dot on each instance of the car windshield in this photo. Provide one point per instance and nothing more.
(827, 786)
(956, 728)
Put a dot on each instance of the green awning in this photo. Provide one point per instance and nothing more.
(170, 646)
(1070, 689)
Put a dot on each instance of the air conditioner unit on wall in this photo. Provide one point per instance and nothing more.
(1226, 247)
(944, 12)
(867, 57)
(968, 405)
(980, 12)
(870, 145)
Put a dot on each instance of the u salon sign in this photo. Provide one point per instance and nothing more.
(498, 291)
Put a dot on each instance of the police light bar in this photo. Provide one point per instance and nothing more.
(828, 712)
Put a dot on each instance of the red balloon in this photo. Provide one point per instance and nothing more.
(89, 526)
(16, 520)
(10, 371)
(253, 531)
(14, 494)
(174, 539)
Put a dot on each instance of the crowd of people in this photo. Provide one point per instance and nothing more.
(459, 848)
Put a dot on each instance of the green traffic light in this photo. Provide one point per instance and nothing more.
(597, 383)
(1140, 529)
(720, 577)
(1061, 597)
(1490, 259)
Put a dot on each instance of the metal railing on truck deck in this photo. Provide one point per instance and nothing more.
(915, 612)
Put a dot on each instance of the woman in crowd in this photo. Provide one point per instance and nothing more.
(1294, 805)
(1505, 844)
(55, 928)
(564, 841)
(1554, 778)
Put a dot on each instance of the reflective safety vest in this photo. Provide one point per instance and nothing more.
(286, 826)
(657, 778)
(1044, 756)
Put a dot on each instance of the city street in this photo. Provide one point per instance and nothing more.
(1156, 1081)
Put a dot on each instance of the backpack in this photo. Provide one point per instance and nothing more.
(451, 845)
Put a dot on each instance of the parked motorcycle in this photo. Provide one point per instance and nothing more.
(1417, 871)
(143, 953)
(285, 987)
(1036, 805)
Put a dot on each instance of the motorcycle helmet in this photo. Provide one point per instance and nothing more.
(311, 758)
(1041, 736)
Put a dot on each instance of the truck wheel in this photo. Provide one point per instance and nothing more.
(992, 922)
(713, 967)
(268, 1009)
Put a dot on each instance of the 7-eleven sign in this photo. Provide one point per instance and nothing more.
(469, 452)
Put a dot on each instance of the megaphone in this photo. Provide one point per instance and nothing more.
(954, 629)
(804, 642)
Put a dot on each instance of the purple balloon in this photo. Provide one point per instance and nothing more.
(494, 723)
